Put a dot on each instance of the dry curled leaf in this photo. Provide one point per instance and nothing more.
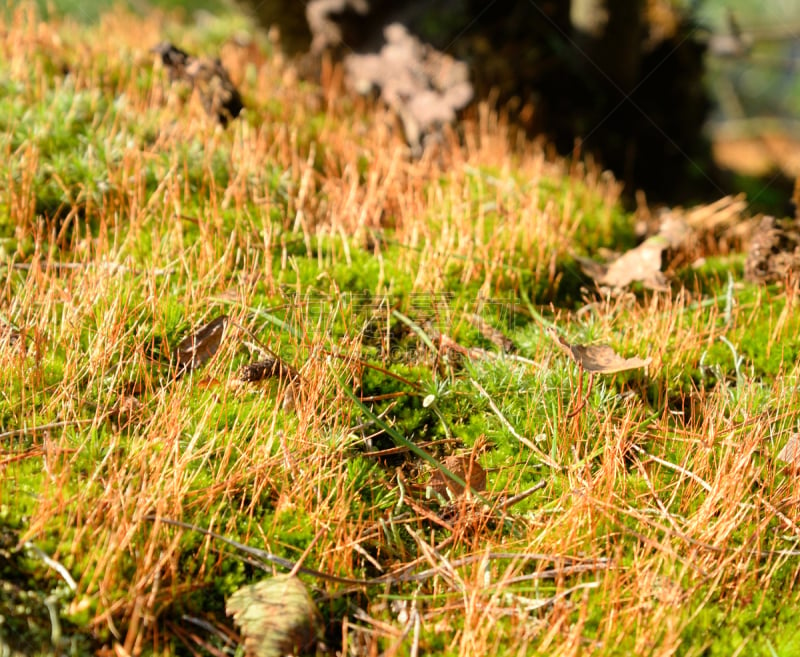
(173, 59)
(196, 350)
(464, 466)
(790, 454)
(272, 368)
(220, 98)
(276, 616)
(642, 264)
(598, 358)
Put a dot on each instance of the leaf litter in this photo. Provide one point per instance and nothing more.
(679, 237)
(493, 335)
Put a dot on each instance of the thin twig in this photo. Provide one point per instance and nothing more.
(299, 563)
(533, 605)
(44, 427)
(516, 499)
(262, 557)
(553, 573)
(208, 627)
(673, 466)
(417, 627)
(432, 555)
(49, 561)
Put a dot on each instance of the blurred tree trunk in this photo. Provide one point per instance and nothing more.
(621, 43)
(610, 73)
(610, 32)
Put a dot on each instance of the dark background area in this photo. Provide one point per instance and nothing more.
(691, 123)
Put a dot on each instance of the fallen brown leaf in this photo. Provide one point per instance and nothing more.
(173, 59)
(464, 466)
(496, 337)
(600, 358)
(124, 410)
(219, 96)
(790, 454)
(196, 350)
(642, 263)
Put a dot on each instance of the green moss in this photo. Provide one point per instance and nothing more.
(760, 627)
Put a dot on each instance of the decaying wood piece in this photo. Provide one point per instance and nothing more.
(268, 368)
(426, 87)
(218, 94)
(173, 59)
(774, 251)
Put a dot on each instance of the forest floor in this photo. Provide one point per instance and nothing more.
(292, 334)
